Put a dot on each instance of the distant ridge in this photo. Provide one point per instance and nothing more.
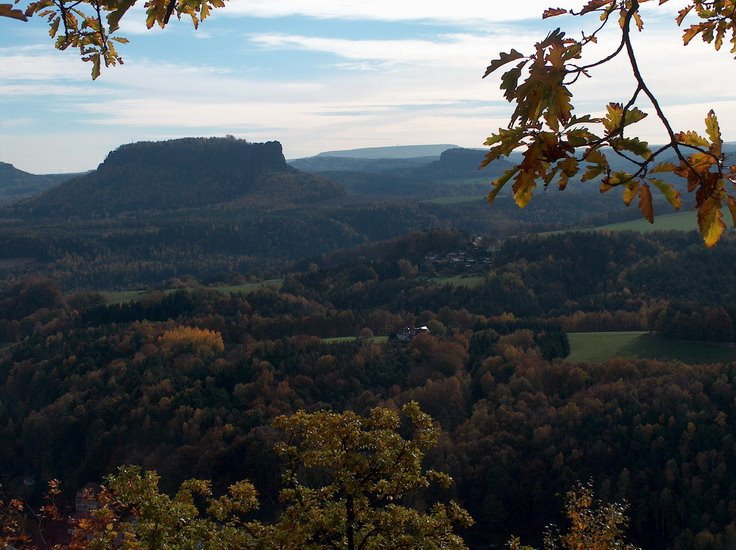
(420, 177)
(453, 163)
(464, 163)
(395, 152)
(16, 184)
(184, 173)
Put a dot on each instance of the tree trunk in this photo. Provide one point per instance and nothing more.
(349, 505)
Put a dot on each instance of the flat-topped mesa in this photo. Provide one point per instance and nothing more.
(184, 173)
(218, 155)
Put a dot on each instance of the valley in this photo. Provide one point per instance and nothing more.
(165, 317)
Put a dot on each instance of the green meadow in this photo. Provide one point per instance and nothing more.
(679, 221)
(125, 296)
(593, 347)
(457, 200)
(343, 339)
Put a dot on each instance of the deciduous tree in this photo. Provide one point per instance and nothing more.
(134, 513)
(348, 479)
(347, 484)
(593, 525)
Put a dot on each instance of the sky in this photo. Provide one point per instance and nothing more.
(320, 75)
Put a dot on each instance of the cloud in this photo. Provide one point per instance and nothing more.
(47, 91)
(467, 13)
(458, 12)
(30, 64)
(466, 50)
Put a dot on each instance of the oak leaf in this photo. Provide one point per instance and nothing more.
(7, 10)
(710, 221)
(503, 59)
(645, 203)
(554, 12)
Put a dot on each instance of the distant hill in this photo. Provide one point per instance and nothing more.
(396, 152)
(370, 165)
(421, 177)
(187, 172)
(385, 184)
(16, 184)
(454, 163)
(461, 163)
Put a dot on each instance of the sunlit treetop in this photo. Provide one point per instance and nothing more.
(557, 145)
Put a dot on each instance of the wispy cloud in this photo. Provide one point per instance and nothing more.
(466, 50)
(30, 64)
(458, 12)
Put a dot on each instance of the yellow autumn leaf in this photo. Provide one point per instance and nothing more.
(614, 117)
(710, 221)
(714, 132)
(639, 21)
(630, 191)
(673, 196)
(523, 187)
(691, 138)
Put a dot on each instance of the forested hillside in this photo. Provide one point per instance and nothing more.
(206, 347)
(16, 184)
(183, 173)
(188, 382)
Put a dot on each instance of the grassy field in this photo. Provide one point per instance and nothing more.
(342, 339)
(593, 347)
(458, 200)
(458, 280)
(680, 221)
(125, 296)
(245, 289)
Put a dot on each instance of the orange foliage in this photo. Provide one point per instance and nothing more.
(203, 341)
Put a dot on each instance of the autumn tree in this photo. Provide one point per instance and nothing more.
(557, 145)
(133, 513)
(593, 525)
(201, 341)
(13, 519)
(348, 480)
(347, 484)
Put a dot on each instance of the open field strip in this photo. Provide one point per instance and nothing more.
(125, 296)
(457, 200)
(593, 347)
(343, 339)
